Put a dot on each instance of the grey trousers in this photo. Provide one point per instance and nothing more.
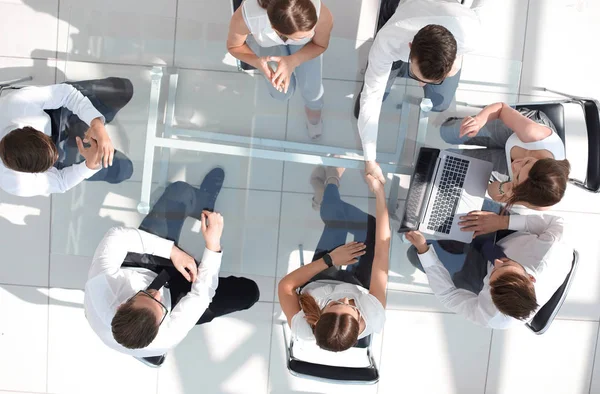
(440, 95)
(307, 77)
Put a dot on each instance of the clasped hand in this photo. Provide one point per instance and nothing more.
(280, 78)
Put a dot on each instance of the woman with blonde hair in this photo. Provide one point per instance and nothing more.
(326, 304)
(293, 34)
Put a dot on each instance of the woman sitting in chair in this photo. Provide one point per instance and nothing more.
(530, 167)
(321, 301)
(292, 34)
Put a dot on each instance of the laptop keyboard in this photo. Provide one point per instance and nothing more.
(449, 189)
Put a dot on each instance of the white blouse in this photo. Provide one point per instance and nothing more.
(324, 291)
(258, 23)
(552, 143)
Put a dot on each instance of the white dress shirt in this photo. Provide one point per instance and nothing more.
(391, 44)
(25, 107)
(324, 291)
(109, 286)
(536, 246)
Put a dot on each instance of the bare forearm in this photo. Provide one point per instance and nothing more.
(302, 275)
(383, 233)
(308, 52)
(491, 112)
(245, 54)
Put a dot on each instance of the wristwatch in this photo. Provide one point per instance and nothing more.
(327, 259)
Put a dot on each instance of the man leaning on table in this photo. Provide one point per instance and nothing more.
(424, 40)
(507, 275)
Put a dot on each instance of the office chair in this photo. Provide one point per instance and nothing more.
(8, 85)
(242, 66)
(544, 317)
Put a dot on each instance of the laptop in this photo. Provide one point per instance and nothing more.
(444, 186)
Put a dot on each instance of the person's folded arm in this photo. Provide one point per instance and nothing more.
(53, 180)
(548, 228)
(58, 96)
(192, 306)
(460, 301)
(526, 129)
(118, 241)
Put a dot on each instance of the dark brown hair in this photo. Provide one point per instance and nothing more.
(134, 327)
(28, 150)
(434, 50)
(334, 332)
(514, 295)
(545, 184)
(290, 16)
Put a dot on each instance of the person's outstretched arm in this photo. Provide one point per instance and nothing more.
(381, 259)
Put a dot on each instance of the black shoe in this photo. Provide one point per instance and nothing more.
(153, 362)
(211, 186)
(357, 105)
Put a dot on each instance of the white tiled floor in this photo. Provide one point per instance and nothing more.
(47, 243)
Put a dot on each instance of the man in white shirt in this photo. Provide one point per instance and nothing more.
(43, 131)
(126, 302)
(423, 40)
(509, 278)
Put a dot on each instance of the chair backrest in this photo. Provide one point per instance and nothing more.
(592, 123)
(554, 111)
(544, 317)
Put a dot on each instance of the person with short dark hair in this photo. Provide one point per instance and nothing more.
(510, 270)
(324, 303)
(53, 137)
(126, 301)
(285, 41)
(423, 40)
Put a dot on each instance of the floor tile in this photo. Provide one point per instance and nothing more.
(490, 73)
(354, 19)
(202, 28)
(23, 338)
(419, 345)
(33, 27)
(250, 234)
(414, 301)
(43, 71)
(81, 216)
(76, 354)
(24, 222)
(565, 353)
(68, 271)
(497, 17)
(339, 124)
(545, 44)
(117, 33)
(402, 275)
(355, 54)
(595, 384)
(456, 371)
(282, 381)
(236, 348)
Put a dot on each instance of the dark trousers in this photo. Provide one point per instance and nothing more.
(108, 96)
(166, 219)
(340, 219)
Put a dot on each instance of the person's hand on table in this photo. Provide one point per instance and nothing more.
(418, 241)
(98, 133)
(372, 168)
(482, 222)
(470, 126)
(347, 254)
(185, 264)
(212, 229)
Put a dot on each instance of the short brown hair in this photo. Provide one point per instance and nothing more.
(134, 327)
(514, 295)
(28, 150)
(434, 50)
(545, 185)
(290, 16)
(334, 332)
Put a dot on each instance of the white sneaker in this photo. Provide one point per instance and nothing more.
(314, 130)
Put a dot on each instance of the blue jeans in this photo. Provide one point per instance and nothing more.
(308, 76)
(108, 96)
(341, 219)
